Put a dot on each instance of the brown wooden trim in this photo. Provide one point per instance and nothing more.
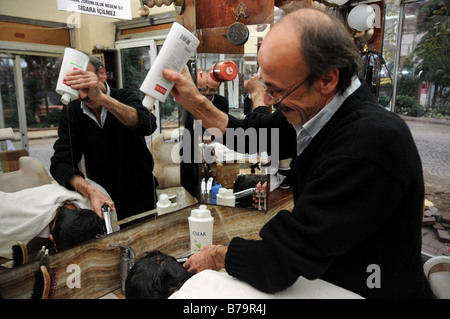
(28, 33)
(147, 29)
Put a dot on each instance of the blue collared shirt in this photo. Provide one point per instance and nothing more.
(307, 132)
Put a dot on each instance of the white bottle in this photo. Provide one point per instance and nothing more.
(178, 47)
(201, 228)
(72, 60)
(226, 197)
(163, 205)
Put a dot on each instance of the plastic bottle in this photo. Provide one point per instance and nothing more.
(164, 204)
(224, 71)
(179, 46)
(72, 60)
(215, 190)
(181, 198)
(200, 228)
(226, 197)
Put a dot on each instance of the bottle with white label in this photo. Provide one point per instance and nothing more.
(201, 228)
(178, 47)
(72, 60)
(163, 205)
(226, 197)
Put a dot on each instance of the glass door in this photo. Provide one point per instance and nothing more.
(29, 103)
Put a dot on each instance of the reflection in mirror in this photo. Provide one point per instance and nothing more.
(218, 174)
(164, 142)
(135, 63)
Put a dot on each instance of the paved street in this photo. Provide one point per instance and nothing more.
(433, 142)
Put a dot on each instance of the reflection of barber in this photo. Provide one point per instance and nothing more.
(357, 176)
(208, 88)
(108, 126)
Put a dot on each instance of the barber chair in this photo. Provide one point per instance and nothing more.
(31, 173)
(437, 271)
(165, 151)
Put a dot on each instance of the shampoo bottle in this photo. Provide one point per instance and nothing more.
(72, 60)
(201, 228)
(163, 205)
(226, 197)
(179, 46)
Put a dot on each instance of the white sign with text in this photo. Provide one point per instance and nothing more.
(118, 9)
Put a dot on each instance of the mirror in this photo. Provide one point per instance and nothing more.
(227, 175)
(134, 64)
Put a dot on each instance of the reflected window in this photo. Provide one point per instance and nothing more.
(9, 113)
(136, 62)
(42, 103)
(423, 66)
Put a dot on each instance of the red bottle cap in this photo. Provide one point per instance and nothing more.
(224, 71)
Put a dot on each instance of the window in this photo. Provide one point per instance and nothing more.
(416, 46)
(136, 58)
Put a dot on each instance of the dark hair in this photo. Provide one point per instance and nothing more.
(155, 276)
(75, 226)
(326, 44)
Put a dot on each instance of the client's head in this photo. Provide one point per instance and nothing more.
(72, 227)
(155, 276)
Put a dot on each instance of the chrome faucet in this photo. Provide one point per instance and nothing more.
(127, 257)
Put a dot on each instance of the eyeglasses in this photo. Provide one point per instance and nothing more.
(212, 91)
(271, 93)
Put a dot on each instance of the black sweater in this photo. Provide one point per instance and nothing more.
(356, 221)
(116, 156)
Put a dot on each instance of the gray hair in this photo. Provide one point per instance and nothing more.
(326, 44)
(96, 62)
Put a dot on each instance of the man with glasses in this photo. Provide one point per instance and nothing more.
(108, 127)
(357, 177)
(208, 87)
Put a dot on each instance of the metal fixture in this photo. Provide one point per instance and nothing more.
(127, 257)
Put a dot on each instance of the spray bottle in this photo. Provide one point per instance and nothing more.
(201, 228)
(179, 46)
(72, 60)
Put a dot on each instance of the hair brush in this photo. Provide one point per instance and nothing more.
(42, 283)
(19, 254)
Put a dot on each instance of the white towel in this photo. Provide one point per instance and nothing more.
(24, 214)
(210, 284)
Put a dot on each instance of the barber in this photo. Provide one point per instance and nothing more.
(108, 126)
(357, 176)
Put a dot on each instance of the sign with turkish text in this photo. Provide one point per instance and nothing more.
(118, 9)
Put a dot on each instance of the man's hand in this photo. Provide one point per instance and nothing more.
(87, 82)
(186, 93)
(97, 199)
(254, 87)
(95, 196)
(259, 189)
(209, 257)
